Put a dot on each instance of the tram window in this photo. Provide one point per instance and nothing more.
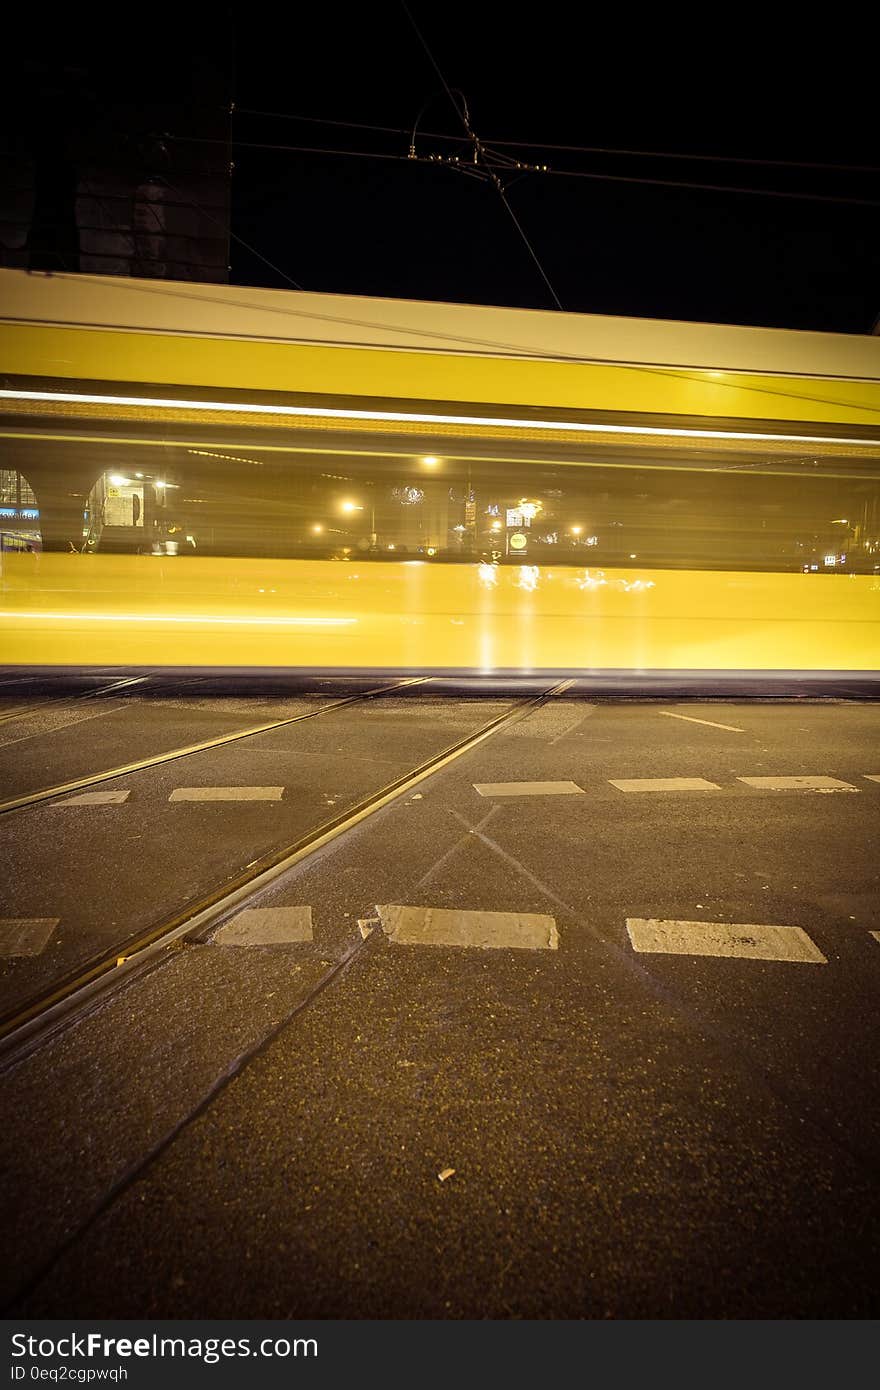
(466, 502)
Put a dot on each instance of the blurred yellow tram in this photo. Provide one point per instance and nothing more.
(219, 477)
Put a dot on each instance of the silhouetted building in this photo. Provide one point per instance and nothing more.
(114, 147)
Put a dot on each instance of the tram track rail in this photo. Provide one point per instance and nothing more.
(24, 1027)
(65, 701)
(59, 789)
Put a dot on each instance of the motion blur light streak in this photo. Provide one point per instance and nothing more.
(193, 619)
(418, 418)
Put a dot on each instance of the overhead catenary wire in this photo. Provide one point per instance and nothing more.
(462, 114)
(797, 195)
(573, 149)
(694, 157)
(546, 172)
(653, 368)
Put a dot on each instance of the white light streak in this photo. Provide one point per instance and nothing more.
(193, 619)
(415, 417)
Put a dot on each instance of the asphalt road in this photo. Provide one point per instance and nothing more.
(632, 1133)
(107, 871)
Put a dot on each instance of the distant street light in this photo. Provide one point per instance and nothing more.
(349, 507)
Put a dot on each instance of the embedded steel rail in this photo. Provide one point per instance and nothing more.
(62, 701)
(17, 803)
(23, 1029)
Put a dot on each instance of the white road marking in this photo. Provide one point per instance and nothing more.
(440, 926)
(25, 936)
(876, 935)
(95, 799)
(732, 728)
(227, 794)
(791, 784)
(873, 776)
(528, 789)
(740, 939)
(266, 926)
(664, 784)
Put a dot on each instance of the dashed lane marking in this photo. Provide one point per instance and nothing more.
(266, 926)
(740, 939)
(876, 935)
(791, 784)
(503, 789)
(440, 926)
(732, 728)
(25, 936)
(528, 789)
(664, 784)
(96, 799)
(227, 794)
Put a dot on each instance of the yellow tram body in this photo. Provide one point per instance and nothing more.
(292, 408)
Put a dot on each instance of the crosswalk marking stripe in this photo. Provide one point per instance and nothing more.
(744, 940)
(266, 926)
(807, 784)
(227, 794)
(528, 789)
(440, 926)
(25, 936)
(95, 799)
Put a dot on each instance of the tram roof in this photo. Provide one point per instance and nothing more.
(344, 320)
(284, 340)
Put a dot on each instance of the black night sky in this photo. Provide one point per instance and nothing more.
(705, 81)
(712, 82)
